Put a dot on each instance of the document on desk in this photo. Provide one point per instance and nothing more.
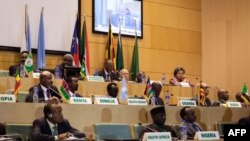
(75, 139)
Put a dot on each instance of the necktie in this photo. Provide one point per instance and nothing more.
(54, 132)
(108, 77)
(48, 93)
(197, 128)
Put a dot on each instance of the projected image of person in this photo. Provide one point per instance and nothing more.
(124, 18)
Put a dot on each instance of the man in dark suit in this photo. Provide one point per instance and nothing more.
(188, 116)
(73, 86)
(45, 89)
(20, 66)
(158, 115)
(53, 126)
(67, 61)
(108, 72)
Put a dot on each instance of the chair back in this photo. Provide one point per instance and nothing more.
(16, 128)
(220, 127)
(112, 131)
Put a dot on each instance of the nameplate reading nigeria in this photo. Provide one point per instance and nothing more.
(7, 98)
(207, 135)
(157, 136)
(80, 100)
(106, 101)
(233, 104)
(184, 102)
(137, 102)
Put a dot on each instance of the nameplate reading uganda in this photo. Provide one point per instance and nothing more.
(137, 102)
(7, 98)
(157, 136)
(207, 135)
(80, 100)
(106, 101)
(184, 102)
(233, 104)
(95, 78)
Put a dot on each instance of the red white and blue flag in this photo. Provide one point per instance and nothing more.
(75, 46)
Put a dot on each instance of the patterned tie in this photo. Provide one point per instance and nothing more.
(48, 93)
(108, 77)
(197, 128)
(54, 132)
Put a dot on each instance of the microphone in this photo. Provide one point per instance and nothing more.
(147, 127)
(56, 93)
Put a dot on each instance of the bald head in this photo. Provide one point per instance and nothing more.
(124, 74)
(205, 87)
(46, 79)
(68, 60)
(223, 94)
(109, 66)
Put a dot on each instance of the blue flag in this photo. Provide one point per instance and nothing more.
(41, 45)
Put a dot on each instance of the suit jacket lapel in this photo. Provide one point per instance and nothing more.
(46, 126)
(40, 91)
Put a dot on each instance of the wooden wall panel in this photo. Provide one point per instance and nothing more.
(225, 43)
(172, 37)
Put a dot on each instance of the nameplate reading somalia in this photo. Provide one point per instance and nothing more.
(157, 136)
(80, 100)
(137, 102)
(184, 102)
(106, 101)
(95, 78)
(233, 104)
(7, 98)
(207, 135)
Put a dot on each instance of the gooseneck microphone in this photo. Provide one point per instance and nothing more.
(147, 127)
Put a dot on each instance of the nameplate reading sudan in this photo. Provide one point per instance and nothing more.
(184, 102)
(207, 135)
(233, 104)
(7, 98)
(157, 136)
(142, 102)
(80, 100)
(106, 101)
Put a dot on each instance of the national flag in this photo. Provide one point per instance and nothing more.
(84, 51)
(110, 50)
(64, 89)
(244, 89)
(18, 83)
(148, 90)
(75, 45)
(41, 44)
(26, 41)
(119, 53)
(29, 63)
(135, 60)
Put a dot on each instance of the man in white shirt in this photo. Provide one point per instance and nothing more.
(44, 89)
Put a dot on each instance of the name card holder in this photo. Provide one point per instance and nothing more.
(233, 104)
(7, 98)
(106, 101)
(185, 102)
(207, 135)
(95, 78)
(142, 102)
(80, 100)
(157, 136)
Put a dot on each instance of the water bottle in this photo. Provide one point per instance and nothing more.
(167, 97)
(183, 132)
(143, 78)
(22, 72)
(163, 79)
(35, 95)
